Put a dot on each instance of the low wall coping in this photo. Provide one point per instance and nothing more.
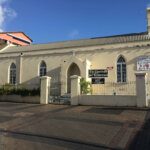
(140, 73)
(75, 77)
(45, 77)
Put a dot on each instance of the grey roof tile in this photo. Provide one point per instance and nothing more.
(79, 43)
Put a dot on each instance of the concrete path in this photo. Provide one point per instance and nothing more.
(63, 127)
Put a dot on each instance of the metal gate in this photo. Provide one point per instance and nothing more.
(60, 100)
(55, 97)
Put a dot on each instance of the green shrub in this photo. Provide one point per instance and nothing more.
(86, 87)
(7, 86)
(35, 91)
(8, 89)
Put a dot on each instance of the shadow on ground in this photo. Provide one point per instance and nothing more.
(54, 140)
(141, 137)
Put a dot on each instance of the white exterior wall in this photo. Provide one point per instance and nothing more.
(4, 67)
(100, 57)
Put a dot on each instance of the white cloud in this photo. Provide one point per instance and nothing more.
(3, 1)
(5, 13)
(1, 16)
(10, 12)
(74, 33)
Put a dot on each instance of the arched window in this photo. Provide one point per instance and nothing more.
(12, 79)
(121, 70)
(42, 69)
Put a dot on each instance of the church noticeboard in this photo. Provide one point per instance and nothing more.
(98, 80)
(98, 73)
(143, 63)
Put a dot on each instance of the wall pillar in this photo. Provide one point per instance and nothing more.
(19, 69)
(75, 89)
(141, 89)
(148, 21)
(45, 89)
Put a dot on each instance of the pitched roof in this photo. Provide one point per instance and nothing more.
(17, 32)
(83, 42)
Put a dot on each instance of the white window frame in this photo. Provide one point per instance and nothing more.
(12, 74)
(42, 69)
(121, 70)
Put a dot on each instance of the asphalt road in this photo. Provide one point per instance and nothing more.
(64, 127)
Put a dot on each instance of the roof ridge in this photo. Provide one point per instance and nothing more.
(135, 37)
(121, 35)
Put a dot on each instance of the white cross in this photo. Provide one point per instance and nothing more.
(73, 52)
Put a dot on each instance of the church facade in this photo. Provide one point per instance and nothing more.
(98, 60)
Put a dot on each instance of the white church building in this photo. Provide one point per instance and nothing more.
(99, 60)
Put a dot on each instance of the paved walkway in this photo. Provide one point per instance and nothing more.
(63, 127)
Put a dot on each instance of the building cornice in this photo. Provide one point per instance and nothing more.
(77, 51)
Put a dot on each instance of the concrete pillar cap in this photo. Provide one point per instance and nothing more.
(45, 77)
(141, 73)
(148, 9)
(75, 77)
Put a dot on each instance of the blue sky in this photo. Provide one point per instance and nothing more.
(60, 20)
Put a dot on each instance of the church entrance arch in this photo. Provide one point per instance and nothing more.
(72, 70)
(72, 66)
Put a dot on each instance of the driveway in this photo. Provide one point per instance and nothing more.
(64, 127)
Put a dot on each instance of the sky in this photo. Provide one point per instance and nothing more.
(60, 20)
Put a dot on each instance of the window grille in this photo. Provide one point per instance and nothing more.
(121, 70)
(13, 73)
(42, 69)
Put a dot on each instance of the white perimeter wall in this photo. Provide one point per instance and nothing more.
(107, 100)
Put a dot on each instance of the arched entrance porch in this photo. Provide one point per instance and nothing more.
(82, 65)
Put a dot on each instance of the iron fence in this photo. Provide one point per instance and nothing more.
(113, 88)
